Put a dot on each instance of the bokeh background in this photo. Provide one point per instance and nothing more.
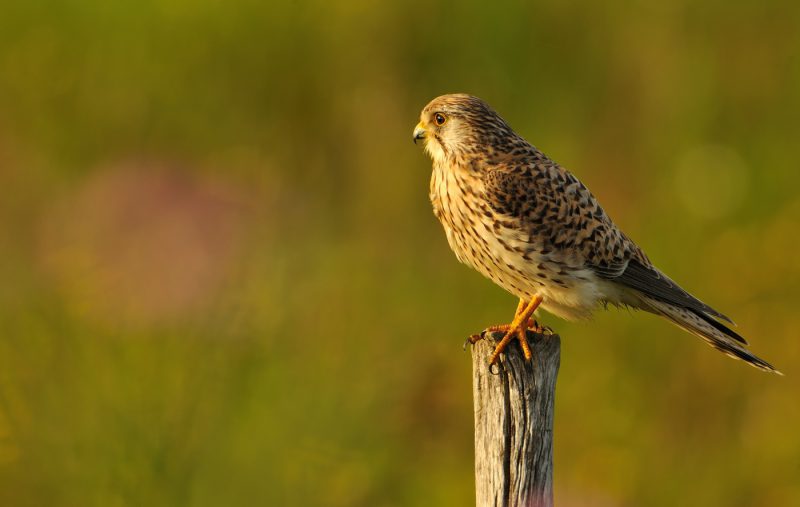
(222, 283)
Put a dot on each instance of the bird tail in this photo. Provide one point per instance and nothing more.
(712, 331)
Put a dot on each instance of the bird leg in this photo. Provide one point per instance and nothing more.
(475, 338)
(517, 329)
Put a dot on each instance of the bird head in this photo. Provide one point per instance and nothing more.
(456, 125)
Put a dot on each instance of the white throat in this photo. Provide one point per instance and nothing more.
(435, 151)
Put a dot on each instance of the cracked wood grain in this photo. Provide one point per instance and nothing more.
(514, 407)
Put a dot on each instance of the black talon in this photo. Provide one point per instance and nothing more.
(473, 339)
(543, 330)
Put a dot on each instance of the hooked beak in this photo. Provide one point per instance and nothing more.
(419, 132)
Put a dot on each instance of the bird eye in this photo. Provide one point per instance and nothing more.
(439, 119)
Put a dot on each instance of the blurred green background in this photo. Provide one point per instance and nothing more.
(222, 283)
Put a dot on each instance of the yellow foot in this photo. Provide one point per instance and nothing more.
(517, 329)
(511, 332)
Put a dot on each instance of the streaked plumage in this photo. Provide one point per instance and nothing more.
(530, 226)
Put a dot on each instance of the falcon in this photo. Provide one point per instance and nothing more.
(534, 229)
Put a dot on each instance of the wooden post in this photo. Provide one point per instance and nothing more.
(514, 406)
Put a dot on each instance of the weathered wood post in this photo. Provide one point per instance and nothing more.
(514, 406)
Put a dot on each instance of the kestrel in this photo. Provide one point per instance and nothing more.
(535, 230)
